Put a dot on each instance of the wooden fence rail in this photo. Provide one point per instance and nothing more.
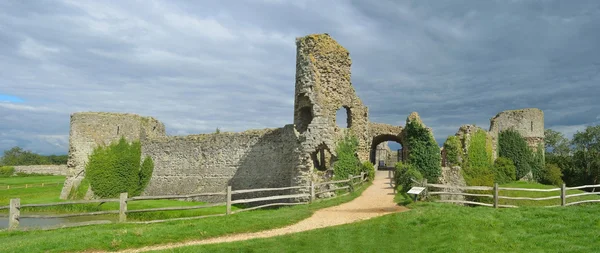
(496, 194)
(308, 196)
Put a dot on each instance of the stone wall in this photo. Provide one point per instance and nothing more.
(59, 170)
(323, 87)
(528, 122)
(91, 129)
(252, 159)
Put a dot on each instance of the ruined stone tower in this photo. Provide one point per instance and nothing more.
(529, 122)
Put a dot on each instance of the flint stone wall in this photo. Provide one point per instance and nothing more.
(528, 122)
(206, 163)
(88, 130)
(57, 170)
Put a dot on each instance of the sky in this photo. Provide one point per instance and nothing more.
(199, 65)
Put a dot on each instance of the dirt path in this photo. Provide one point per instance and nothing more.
(375, 201)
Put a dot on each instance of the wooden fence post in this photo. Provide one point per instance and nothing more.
(25, 186)
(123, 207)
(495, 195)
(312, 191)
(350, 188)
(362, 176)
(425, 192)
(14, 213)
(228, 212)
(563, 195)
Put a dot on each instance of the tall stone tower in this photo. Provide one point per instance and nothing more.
(528, 122)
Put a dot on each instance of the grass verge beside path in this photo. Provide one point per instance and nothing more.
(122, 236)
(439, 227)
(37, 180)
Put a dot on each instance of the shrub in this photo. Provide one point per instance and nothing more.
(6, 171)
(347, 162)
(454, 153)
(512, 146)
(478, 166)
(404, 172)
(537, 163)
(368, 168)
(424, 152)
(117, 168)
(504, 170)
(551, 174)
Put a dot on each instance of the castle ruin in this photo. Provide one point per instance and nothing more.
(265, 158)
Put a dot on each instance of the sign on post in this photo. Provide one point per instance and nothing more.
(416, 190)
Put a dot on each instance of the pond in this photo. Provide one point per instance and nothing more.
(45, 223)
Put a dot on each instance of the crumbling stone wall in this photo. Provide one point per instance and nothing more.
(58, 170)
(251, 159)
(451, 176)
(322, 87)
(88, 130)
(529, 122)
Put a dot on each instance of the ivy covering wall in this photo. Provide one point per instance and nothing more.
(453, 148)
(424, 152)
(118, 168)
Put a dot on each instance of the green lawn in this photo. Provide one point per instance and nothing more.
(50, 194)
(440, 227)
(550, 202)
(37, 180)
(122, 236)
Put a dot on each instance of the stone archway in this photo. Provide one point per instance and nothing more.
(379, 139)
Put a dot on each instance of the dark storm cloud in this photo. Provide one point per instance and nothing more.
(199, 65)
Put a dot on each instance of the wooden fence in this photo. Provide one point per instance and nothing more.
(15, 204)
(8, 187)
(495, 194)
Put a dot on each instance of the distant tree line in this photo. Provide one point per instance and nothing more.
(17, 156)
(578, 159)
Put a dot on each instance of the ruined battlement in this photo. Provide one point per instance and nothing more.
(262, 158)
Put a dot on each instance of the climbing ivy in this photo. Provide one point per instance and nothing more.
(478, 165)
(424, 152)
(347, 162)
(117, 168)
(514, 147)
(453, 148)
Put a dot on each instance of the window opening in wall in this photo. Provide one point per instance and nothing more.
(117, 130)
(322, 158)
(531, 126)
(343, 115)
(306, 117)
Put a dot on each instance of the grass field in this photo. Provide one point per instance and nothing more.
(51, 193)
(439, 227)
(121, 236)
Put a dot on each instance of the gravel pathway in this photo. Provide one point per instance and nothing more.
(375, 201)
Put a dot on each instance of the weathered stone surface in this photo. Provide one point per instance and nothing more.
(290, 156)
(529, 122)
(59, 170)
(91, 129)
(251, 159)
(451, 176)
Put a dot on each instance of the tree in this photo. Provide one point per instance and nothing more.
(556, 143)
(587, 153)
(512, 146)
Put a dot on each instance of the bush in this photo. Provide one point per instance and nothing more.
(7, 171)
(117, 168)
(504, 170)
(551, 174)
(347, 162)
(478, 165)
(537, 163)
(404, 172)
(368, 168)
(454, 152)
(424, 152)
(512, 146)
